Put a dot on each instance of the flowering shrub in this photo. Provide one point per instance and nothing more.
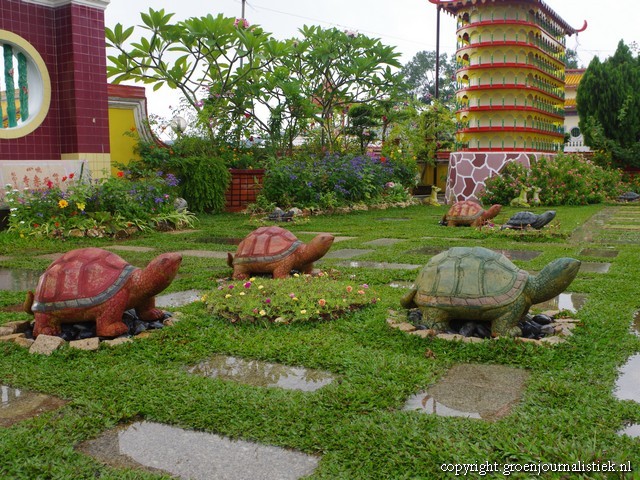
(295, 299)
(332, 180)
(563, 180)
(94, 207)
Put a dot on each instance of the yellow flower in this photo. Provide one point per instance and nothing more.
(262, 313)
(296, 275)
(203, 298)
(81, 206)
(63, 203)
(260, 287)
(228, 295)
(252, 279)
(303, 312)
(241, 293)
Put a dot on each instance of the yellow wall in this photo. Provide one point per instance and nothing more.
(122, 137)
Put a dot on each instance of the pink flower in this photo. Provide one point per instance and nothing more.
(292, 295)
(247, 285)
(231, 287)
(267, 300)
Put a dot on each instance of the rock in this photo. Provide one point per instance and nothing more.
(90, 344)
(180, 204)
(468, 329)
(529, 340)
(450, 336)
(12, 337)
(145, 334)
(552, 340)
(542, 319)
(547, 330)
(24, 342)
(405, 327)
(118, 341)
(427, 333)
(46, 344)
(18, 327)
(75, 232)
(472, 340)
(4, 330)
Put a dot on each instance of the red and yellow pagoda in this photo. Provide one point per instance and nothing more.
(510, 87)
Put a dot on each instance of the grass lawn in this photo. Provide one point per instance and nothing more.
(568, 412)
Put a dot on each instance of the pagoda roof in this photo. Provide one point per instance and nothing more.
(453, 6)
(573, 77)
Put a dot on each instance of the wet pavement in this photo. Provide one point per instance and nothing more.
(599, 252)
(635, 324)
(631, 431)
(571, 302)
(18, 280)
(628, 383)
(262, 374)
(178, 299)
(196, 455)
(17, 405)
(487, 392)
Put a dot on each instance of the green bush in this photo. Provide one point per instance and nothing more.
(563, 180)
(333, 180)
(204, 181)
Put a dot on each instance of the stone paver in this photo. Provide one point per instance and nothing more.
(599, 252)
(18, 279)
(379, 265)
(347, 253)
(628, 383)
(262, 374)
(197, 455)
(129, 248)
(594, 267)
(178, 299)
(383, 242)
(17, 405)
(46, 344)
(486, 392)
(204, 254)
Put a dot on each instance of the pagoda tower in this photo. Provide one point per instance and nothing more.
(510, 88)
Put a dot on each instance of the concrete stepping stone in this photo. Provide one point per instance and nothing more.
(594, 267)
(130, 248)
(204, 254)
(196, 455)
(628, 383)
(17, 405)
(17, 279)
(486, 392)
(599, 252)
(383, 242)
(347, 253)
(379, 265)
(571, 302)
(50, 256)
(631, 431)
(262, 374)
(393, 219)
(178, 299)
(635, 325)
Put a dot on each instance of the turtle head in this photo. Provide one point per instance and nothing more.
(320, 245)
(554, 279)
(160, 272)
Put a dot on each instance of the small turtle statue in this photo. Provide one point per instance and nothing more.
(523, 220)
(277, 251)
(468, 213)
(478, 284)
(92, 284)
(629, 197)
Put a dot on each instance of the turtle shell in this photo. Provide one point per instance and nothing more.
(465, 276)
(81, 278)
(266, 244)
(522, 219)
(465, 211)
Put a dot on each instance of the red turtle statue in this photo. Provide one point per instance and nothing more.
(277, 251)
(468, 213)
(92, 284)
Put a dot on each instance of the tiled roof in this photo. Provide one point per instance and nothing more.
(573, 76)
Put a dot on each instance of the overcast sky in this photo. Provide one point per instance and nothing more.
(409, 25)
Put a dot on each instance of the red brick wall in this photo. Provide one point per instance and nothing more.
(70, 39)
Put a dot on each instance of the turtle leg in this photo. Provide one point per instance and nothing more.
(506, 325)
(282, 271)
(239, 274)
(147, 310)
(435, 318)
(109, 316)
(45, 324)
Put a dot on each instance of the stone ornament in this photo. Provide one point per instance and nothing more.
(468, 213)
(92, 284)
(521, 200)
(524, 220)
(277, 251)
(478, 284)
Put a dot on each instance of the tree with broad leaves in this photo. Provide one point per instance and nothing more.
(420, 75)
(341, 69)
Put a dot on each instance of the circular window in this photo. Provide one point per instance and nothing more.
(25, 87)
(575, 132)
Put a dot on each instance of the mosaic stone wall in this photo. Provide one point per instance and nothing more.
(469, 170)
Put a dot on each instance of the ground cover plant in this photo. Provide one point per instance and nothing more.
(568, 412)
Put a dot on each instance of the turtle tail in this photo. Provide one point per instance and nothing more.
(230, 260)
(28, 302)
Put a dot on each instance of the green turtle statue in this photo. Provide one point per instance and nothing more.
(475, 283)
